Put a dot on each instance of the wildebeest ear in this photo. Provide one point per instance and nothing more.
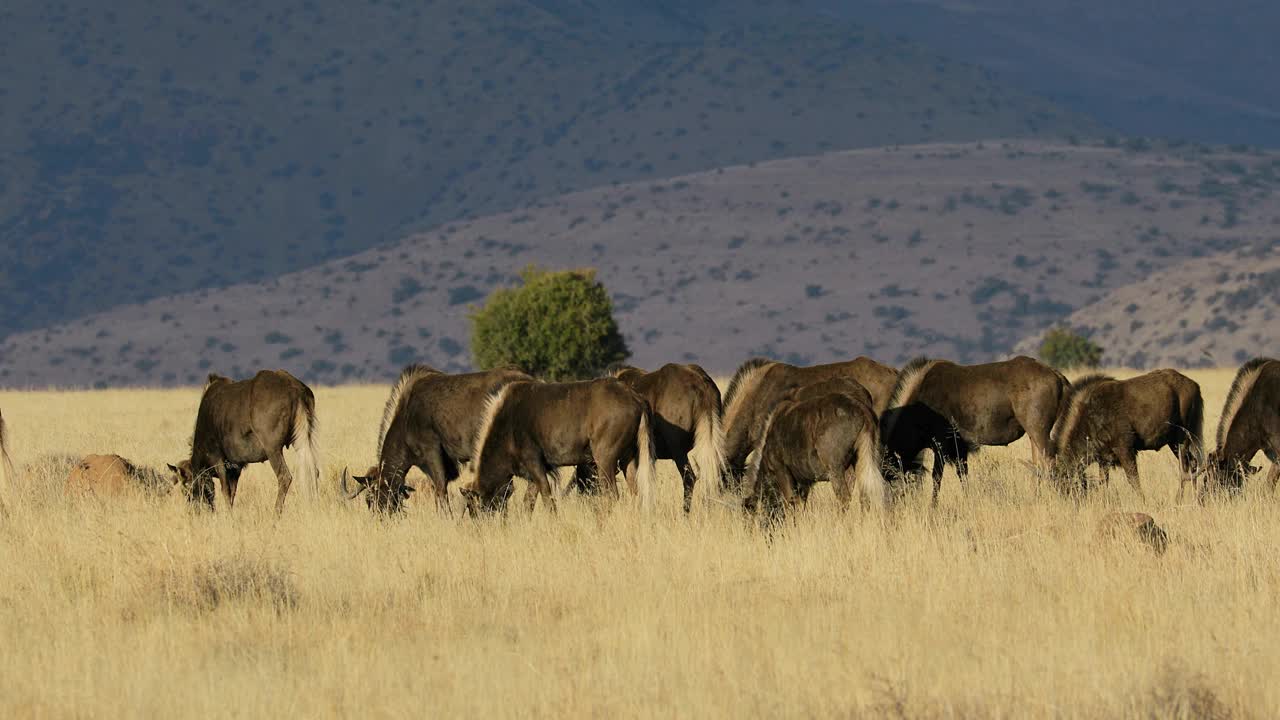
(174, 468)
(408, 489)
(361, 480)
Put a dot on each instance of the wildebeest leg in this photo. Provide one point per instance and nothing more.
(1129, 462)
(843, 484)
(1273, 475)
(607, 474)
(544, 486)
(433, 466)
(962, 462)
(1184, 452)
(939, 466)
(283, 477)
(687, 475)
(228, 494)
(230, 481)
(584, 479)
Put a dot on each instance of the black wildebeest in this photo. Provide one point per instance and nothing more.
(8, 489)
(1108, 422)
(760, 383)
(954, 409)
(429, 421)
(1250, 422)
(685, 403)
(833, 436)
(250, 421)
(530, 429)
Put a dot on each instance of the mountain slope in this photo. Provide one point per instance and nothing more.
(951, 250)
(1210, 312)
(158, 148)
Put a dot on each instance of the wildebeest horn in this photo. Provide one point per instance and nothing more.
(346, 481)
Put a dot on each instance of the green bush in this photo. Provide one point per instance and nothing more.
(1065, 349)
(557, 325)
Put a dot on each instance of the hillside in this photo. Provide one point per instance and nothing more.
(1182, 68)
(952, 250)
(154, 149)
(1217, 311)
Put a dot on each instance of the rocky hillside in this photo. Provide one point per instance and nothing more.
(1217, 311)
(957, 250)
(156, 148)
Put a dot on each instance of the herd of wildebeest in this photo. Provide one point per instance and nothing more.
(864, 426)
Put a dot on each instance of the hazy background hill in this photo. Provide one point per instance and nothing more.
(952, 250)
(153, 148)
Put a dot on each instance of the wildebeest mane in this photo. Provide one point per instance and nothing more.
(399, 392)
(492, 405)
(1245, 377)
(747, 368)
(904, 389)
(1072, 407)
(614, 369)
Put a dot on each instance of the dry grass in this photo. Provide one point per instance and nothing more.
(1005, 603)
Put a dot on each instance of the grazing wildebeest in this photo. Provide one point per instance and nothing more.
(833, 436)
(1108, 422)
(379, 498)
(106, 475)
(245, 422)
(685, 404)
(760, 383)
(7, 489)
(954, 409)
(430, 421)
(531, 428)
(1250, 422)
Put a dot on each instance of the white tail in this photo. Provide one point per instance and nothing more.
(304, 441)
(708, 452)
(644, 458)
(867, 467)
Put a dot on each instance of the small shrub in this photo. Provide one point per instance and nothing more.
(558, 325)
(1065, 349)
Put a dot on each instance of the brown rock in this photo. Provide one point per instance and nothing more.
(1137, 525)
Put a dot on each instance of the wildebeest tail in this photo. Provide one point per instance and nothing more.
(645, 459)
(867, 466)
(708, 449)
(305, 441)
(7, 488)
(1195, 427)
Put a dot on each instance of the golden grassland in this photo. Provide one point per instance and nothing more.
(1002, 603)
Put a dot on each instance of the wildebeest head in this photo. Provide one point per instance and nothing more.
(477, 504)
(196, 489)
(378, 494)
(1220, 473)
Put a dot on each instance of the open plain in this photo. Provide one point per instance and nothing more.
(1004, 602)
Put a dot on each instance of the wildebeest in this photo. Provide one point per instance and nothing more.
(1108, 422)
(531, 428)
(1250, 422)
(833, 436)
(7, 489)
(430, 421)
(250, 421)
(685, 403)
(106, 475)
(760, 383)
(954, 409)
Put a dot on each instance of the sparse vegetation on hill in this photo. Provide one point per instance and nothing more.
(889, 252)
